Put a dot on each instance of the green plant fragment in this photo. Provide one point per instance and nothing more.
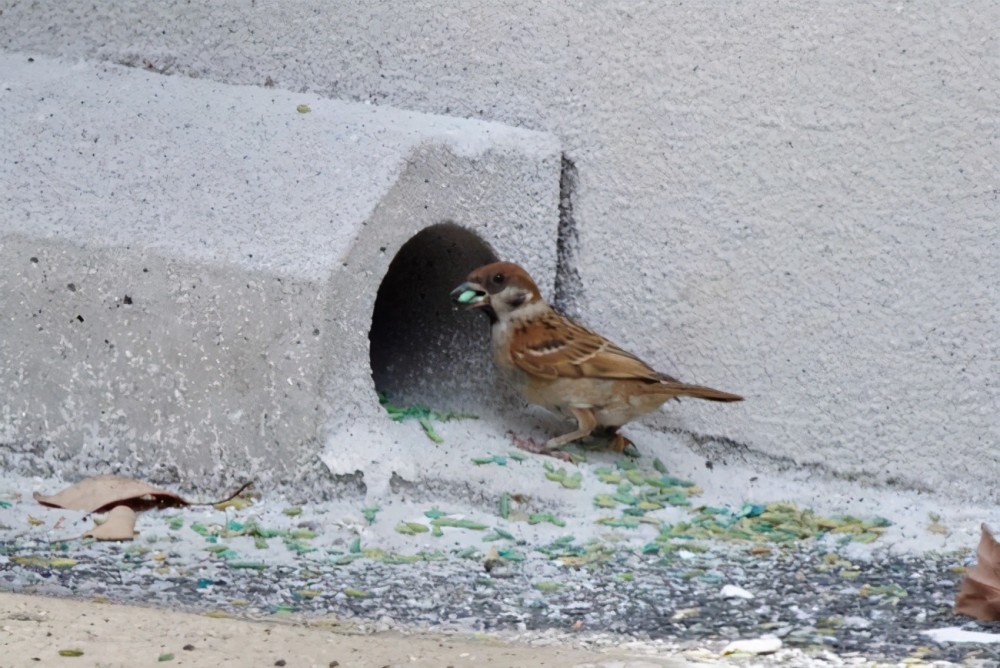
(538, 518)
(458, 523)
(506, 535)
(503, 506)
(411, 528)
(356, 593)
(605, 501)
(547, 586)
(573, 481)
(247, 565)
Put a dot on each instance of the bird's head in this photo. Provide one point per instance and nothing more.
(499, 289)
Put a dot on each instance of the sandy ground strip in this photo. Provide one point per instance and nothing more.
(34, 629)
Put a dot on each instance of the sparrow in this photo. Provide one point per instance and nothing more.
(559, 364)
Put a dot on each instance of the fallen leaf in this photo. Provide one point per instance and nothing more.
(979, 594)
(120, 525)
(103, 492)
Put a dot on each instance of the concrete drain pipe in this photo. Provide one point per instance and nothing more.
(205, 283)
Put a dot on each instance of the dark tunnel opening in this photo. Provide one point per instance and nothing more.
(422, 349)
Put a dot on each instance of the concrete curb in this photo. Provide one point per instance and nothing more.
(192, 268)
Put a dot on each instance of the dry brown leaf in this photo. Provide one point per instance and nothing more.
(979, 594)
(106, 491)
(120, 525)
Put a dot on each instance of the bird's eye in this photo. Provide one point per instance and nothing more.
(498, 279)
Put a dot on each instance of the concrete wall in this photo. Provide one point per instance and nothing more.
(794, 201)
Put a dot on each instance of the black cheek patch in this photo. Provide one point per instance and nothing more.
(518, 300)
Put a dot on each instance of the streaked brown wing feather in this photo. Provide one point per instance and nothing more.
(556, 347)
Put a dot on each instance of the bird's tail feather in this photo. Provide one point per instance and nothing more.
(702, 392)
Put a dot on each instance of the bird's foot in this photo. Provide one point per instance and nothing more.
(622, 444)
(529, 445)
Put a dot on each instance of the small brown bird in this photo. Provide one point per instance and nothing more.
(561, 365)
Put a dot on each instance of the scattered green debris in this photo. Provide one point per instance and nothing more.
(356, 593)
(175, 522)
(45, 562)
(235, 503)
(562, 547)
(506, 535)
(548, 586)
(560, 475)
(423, 415)
(434, 513)
(297, 546)
(625, 464)
(659, 466)
(510, 554)
(538, 518)
(411, 528)
(504, 505)
(619, 522)
(468, 553)
(605, 501)
(303, 108)
(307, 593)
(355, 547)
(935, 525)
(774, 522)
(891, 590)
(369, 513)
(200, 528)
(516, 456)
(247, 565)
(222, 551)
(499, 460)
(71, 652)
(294, 511)
(457, 523)
(165, 657)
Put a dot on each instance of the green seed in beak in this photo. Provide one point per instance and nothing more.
(466, 297)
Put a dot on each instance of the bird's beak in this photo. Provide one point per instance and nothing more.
(470, 295)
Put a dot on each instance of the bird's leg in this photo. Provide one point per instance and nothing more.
(618, 441)
(585, 422)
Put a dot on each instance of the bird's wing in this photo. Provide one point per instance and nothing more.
(553, 346)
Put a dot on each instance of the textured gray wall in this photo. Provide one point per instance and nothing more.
(795, 201)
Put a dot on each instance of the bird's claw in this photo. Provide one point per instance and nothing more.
(529, 445)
